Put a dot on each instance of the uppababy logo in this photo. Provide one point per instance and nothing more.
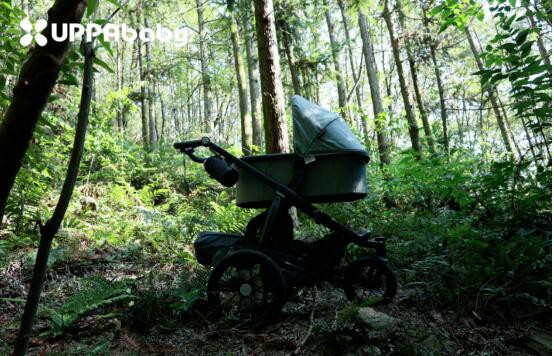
(109, 32)
(33, 32)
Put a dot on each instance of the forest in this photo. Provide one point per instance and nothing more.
(448, 101)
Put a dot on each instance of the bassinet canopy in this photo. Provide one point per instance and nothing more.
(318, 131)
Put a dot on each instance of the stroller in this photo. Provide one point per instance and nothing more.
(254, 273)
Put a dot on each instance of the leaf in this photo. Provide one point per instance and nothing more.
(526, 48)
(105, 44)
(436, 10)
(69, 79)
(115, 3)
(103, 64)
(91, 7)
(522, 36)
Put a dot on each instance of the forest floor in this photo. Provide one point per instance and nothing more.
(317, 320)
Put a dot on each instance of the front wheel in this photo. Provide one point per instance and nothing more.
(369, 281)
(247, 287)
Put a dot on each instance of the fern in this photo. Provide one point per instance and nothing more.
(97, 292)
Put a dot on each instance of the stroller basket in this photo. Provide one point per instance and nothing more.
(211, 244)
(328, 178)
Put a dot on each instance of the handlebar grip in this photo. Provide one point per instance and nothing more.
(182, 146)
(187, 144)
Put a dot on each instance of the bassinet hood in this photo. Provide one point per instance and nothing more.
(319, 131)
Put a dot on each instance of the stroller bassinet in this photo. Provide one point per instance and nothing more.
(334, 166)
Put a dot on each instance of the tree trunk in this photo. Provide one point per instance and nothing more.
(254, 82)
(30, 95)
(275, 126)
(492, 97)
(363, 116)
(413, 72)
(442, 101)
(336, 63)
(49, 230)
(143, 109)
(162, 113)
(371, 69)
(540, 42)
(153, 129)
(287, 42)
(119, 82)
(245, 121)
(206, 79)
(412, 123)
(421, 107)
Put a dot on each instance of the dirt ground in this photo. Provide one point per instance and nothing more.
(315, 321)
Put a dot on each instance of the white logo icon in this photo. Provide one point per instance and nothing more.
(33, 32)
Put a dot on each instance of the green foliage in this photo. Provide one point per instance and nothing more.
(465, 233)
(96, 292)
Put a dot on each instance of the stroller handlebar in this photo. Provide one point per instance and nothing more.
(185, 145)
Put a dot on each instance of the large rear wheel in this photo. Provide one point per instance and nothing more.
(247, 288)
(369, 281)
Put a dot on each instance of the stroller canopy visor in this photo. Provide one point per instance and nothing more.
(319, 131)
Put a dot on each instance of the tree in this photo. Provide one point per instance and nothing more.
(492, 96)
(245, 121)
(339, 79)
(436, 69)
(378, 111)
(363, 116)
(149, 85)
(413, 71)
(49, 230)
(286, 33)
(30, 95)
(253, 76)
(273, 100)
(209, 118)
(412, 123)
(143, 94)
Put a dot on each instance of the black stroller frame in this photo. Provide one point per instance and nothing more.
(282, 268)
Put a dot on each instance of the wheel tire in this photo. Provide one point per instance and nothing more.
(248, 288)
(369, 280)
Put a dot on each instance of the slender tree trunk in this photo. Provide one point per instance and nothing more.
(245, 120)
(153, 130)
(421, 106)
(363, 116)
(206, 79)
(254, 81)
(49, 230)
(413, 72)
(442, 100)
(540, 42)
(276, 132)
(143, 109)
(119, 83)
(162, 112)
(336, 63)
(378, 111)
(30, 95)
(492, 97)
(438, 79)
(287, 42)
(412, 123)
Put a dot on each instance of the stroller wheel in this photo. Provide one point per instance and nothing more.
(369, 281)
(247, 287)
